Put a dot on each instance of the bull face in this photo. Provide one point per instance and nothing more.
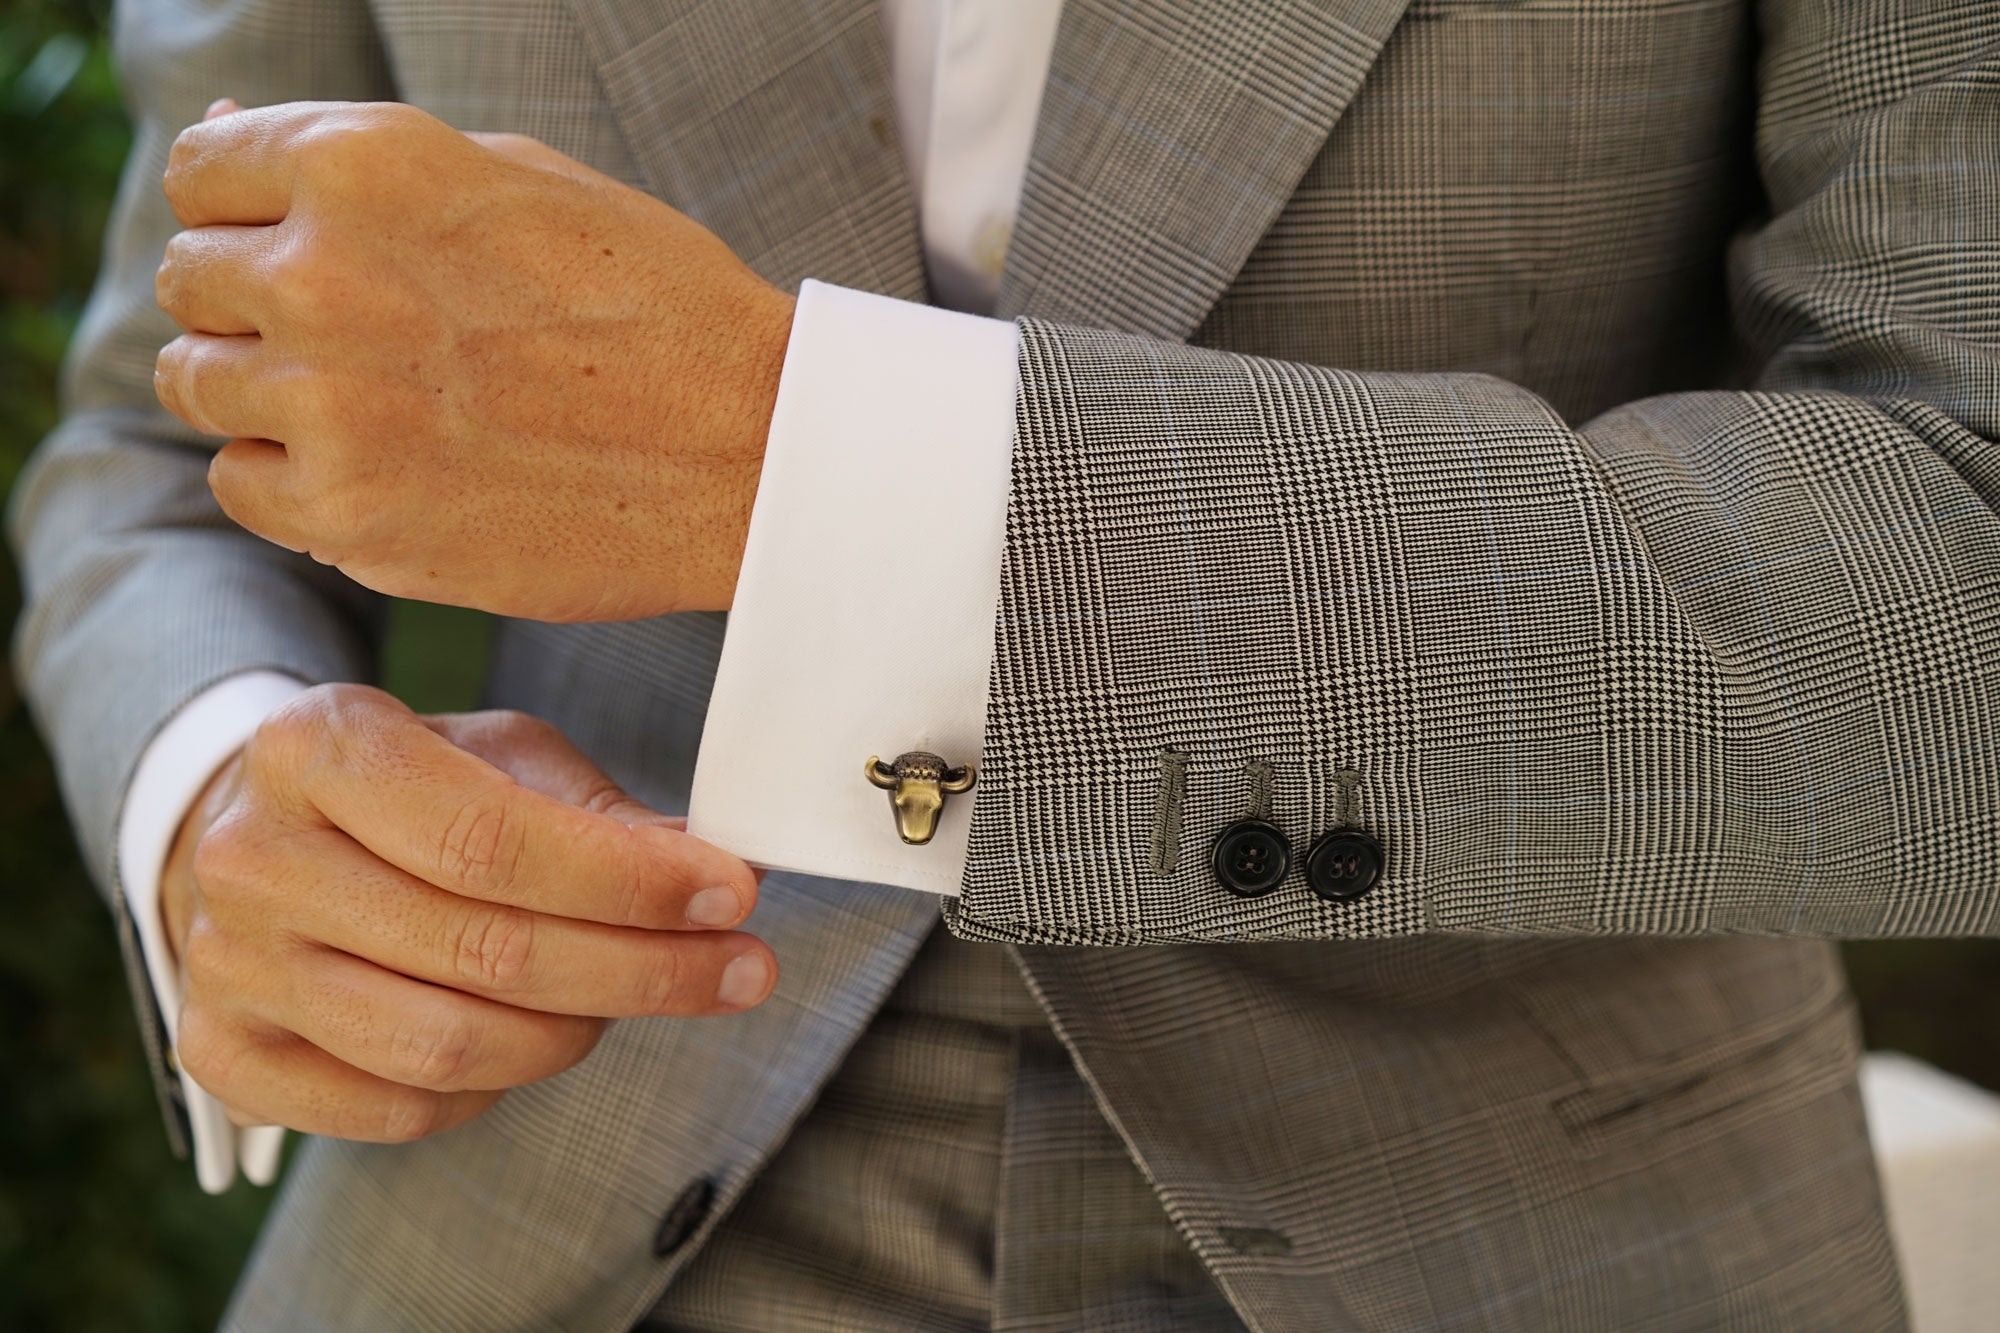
(917, 783)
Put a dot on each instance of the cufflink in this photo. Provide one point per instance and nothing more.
(917, 783)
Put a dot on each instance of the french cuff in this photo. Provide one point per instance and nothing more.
(863, 622)
(170, 775)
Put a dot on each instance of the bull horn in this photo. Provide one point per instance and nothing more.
(880, 773)
(958, 779)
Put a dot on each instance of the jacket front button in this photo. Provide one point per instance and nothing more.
(683, 1216)
(1343, 865)
(1251, 857)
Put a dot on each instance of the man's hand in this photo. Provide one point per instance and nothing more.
(466, 369)
(385, 920)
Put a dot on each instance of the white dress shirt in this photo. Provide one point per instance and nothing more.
(893, 429)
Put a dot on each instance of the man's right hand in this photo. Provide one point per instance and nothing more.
(385, 920)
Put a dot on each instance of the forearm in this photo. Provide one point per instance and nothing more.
(1630, 678)
(1714, 661)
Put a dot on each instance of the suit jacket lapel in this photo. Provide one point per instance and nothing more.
(772, 123)
(1170, 136)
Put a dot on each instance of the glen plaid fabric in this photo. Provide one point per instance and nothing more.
(1764, 706)
(942, 1181)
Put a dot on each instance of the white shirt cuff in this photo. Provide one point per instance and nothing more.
(170, 775)
(864, 614)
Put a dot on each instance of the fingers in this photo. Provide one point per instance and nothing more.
(538, 756)
(221, 385)
(213, 279)
(277, 1078)
(451, 819)
(238, 167)
(420, 1035)
(253, 481)
(554, 964)
(245, 166)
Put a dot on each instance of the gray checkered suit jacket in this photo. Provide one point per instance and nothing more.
(1641, 557)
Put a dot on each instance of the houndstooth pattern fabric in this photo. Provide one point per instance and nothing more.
(1639, 556)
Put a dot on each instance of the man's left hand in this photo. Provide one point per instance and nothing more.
(466, 369)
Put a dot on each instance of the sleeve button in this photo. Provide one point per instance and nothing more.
(1251, 857)
(1343, 865)
(683, 1217)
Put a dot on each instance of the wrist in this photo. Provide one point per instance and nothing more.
(762, 335)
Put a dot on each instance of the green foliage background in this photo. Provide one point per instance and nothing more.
(99, 1227)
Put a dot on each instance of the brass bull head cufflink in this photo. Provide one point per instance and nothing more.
(917, 783)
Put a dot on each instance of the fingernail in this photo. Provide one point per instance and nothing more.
(744, 981)
(714, 907)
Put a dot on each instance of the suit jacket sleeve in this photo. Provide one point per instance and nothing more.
(1713, 662)
(140, 592)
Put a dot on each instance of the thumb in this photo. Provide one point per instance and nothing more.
(538, 756)
(221, 106)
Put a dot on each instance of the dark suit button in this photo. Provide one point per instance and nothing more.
(1251, 857)
(1343, 865)
(683, 1217)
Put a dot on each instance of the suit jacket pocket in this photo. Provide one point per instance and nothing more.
(1665, 1036)
(1706, 1092)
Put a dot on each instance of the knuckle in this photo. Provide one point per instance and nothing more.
(578, 1040)
(347, 144)
(408, 1114)
(632, 883)
(345, 703)
(352, 513)
(495, 948)
(205, 1048)
(295, 731)
(326, 148)
(663, 987)
(600, 795)
(436, 1053)
(514, 722)
(170, 372)
(294, 279)
(205, 956)
(225, 861)
(482, 846)
(300, 279)
(182, 159)
(168, 287)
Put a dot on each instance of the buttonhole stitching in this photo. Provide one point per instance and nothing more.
(1167, 818)
(1263, 777)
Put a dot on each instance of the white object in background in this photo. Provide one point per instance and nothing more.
(1937, 1140)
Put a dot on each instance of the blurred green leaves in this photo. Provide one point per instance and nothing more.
(99, 1227)
(63, 136)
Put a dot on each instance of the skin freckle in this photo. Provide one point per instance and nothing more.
(590, 370)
